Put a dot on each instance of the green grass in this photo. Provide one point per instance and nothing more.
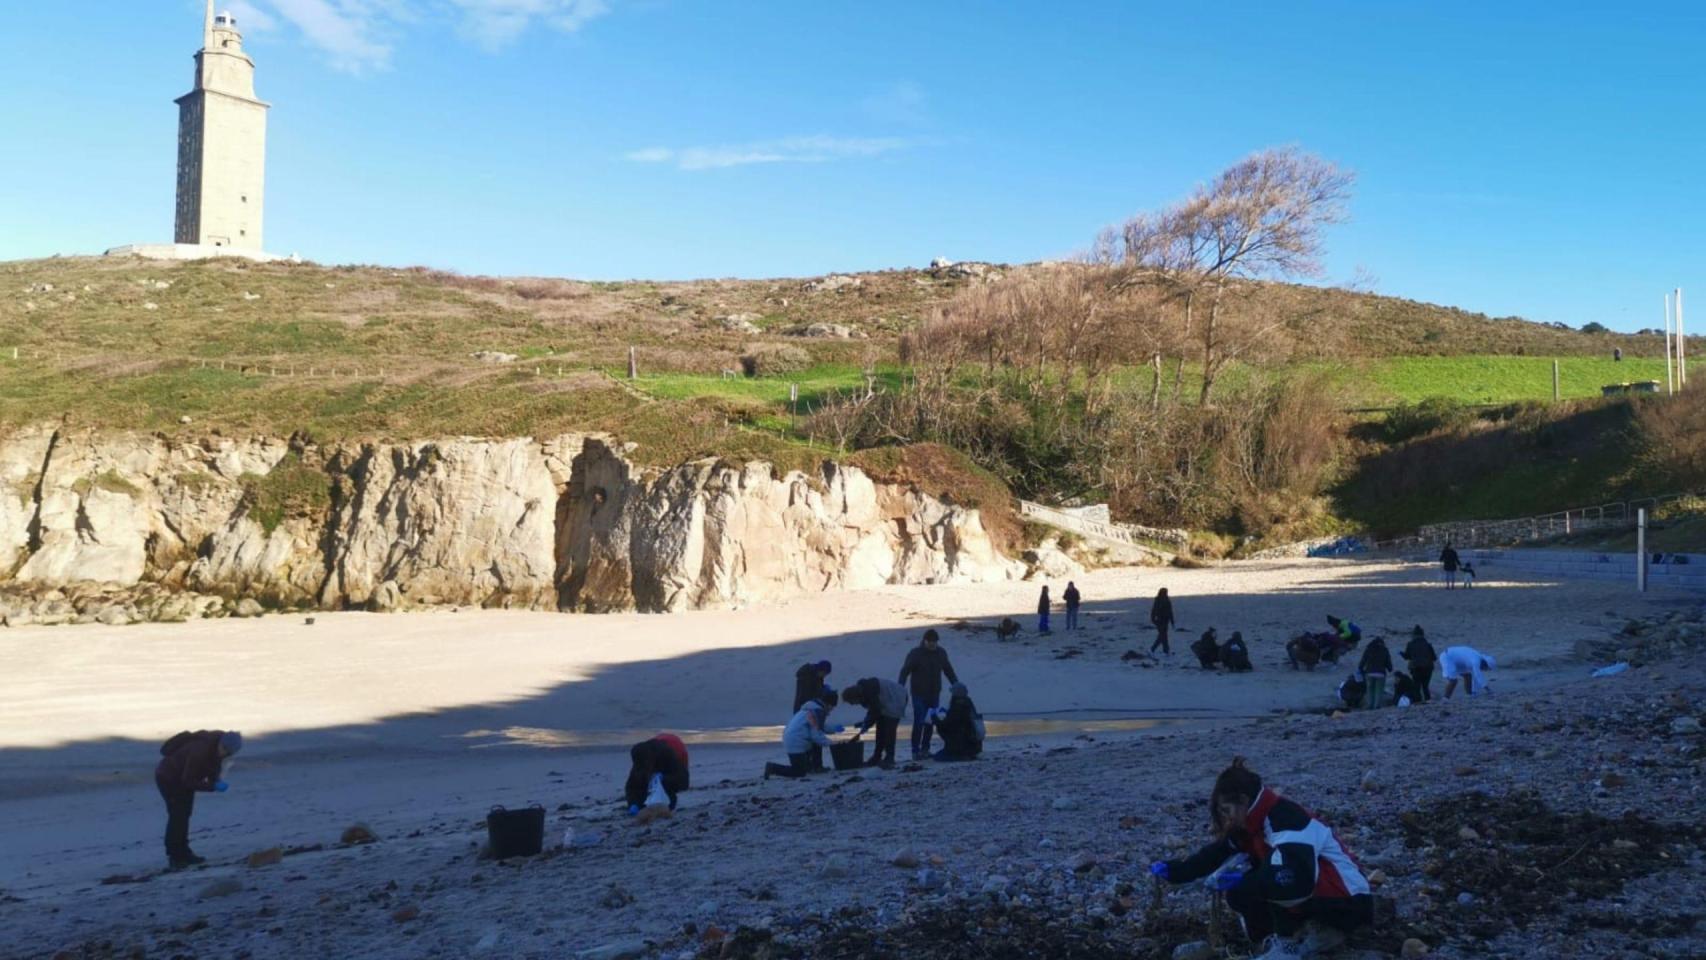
(1490, 380)
(816, 385)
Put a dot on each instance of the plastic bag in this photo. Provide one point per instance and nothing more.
(655, 795)
(1612, 670)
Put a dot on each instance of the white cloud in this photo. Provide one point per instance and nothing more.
(497, 23)
(346, 30)
(356, 35)
(812, 149)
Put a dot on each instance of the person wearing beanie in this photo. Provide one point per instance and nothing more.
(1376, 664)
(190, 763)
(1419, 654)
(1282, 869)
(1467, 664)
(809, 681)
(926, 664)
(960, 725)
(807, 732)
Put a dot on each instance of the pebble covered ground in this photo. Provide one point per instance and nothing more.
(1565, 823)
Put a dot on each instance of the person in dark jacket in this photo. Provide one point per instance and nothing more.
(1404, 689)
(1235, 654)
(1282, 869)
(1353, 691)
(962, 733)
(925, 665)
(1449, 562)
(1303, 651)
(1207, 649)
(663, 760)
(190, 763)
(1042, 611)
(1071, 598)
(809, 681)
(1420, 655)
(885, 704)
(1161, 617)
(1376, 664)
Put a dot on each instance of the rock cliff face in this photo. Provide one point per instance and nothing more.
(565, 523)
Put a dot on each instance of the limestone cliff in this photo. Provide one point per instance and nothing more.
(120, 527)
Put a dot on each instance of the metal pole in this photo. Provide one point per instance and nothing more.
(1641, 550)
(1681, 344)
(1670, 369)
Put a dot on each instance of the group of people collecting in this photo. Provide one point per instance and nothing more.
(885, 701)
(1366, 688)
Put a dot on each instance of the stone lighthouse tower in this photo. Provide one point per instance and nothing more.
(222, 138)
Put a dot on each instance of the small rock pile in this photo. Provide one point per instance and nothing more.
(1649, 640)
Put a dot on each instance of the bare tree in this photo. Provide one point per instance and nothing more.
(1262, 218)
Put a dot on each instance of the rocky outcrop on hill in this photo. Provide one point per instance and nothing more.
(562, 523)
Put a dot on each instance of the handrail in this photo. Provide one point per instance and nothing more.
(1476, 533)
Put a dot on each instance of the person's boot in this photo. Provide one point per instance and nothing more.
(187, 860)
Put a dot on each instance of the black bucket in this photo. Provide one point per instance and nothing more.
(516, 833)
(849, 755)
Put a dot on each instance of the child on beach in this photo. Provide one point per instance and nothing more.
(1296, 888)
(1235, 654)
(659, 765)
(809, 681)
(885, 704)
(805, 733)
(1344, 638)
(190, 763)
(1042, 611)
(961, 727)
(1376, 664)
(1207, 649)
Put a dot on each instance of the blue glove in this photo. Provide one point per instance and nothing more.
(1159, 869)
(835, 728)
(633, 809)
(1226, 881)
(221, 787)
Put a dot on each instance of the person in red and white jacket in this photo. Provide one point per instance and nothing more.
(662, 761)
(1295, 885)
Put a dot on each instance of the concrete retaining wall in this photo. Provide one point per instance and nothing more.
(1587, 565)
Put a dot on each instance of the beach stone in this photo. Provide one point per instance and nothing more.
(1465, 899)
(249, 607)
(266, 858)
(582, 838)
(358, 834)
(928, 879)
(835, 865)
(220, 888)
(996, 886)
(707, 908)
(1195, 950)
(1083, 862)
(615, 898)
(1045, 844)
(1377, 878)
(1064, 803)
(405, 913)
(1685, 725)
(1468, 833)
(993, 849)
(652, 815)
(487, 942)
(1371, 781)
(904, 858)
(1413, 949)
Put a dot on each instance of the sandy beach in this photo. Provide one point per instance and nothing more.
(416, 724)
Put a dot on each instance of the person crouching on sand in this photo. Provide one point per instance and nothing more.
(961, 727)
(1207, 649)
(659, 766)
(190, 763)
(1235, 655)
(1283, 871)
(806, 732)
(885, 704)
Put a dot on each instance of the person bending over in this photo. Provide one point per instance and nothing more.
(1207, 649)
(885, 704)
(1467, 664)
(190, 763)
(961, 727)
(1235, 654)
(1292, 883)
(659, 765)
(1303, 651)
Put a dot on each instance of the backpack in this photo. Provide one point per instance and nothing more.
(177, 740)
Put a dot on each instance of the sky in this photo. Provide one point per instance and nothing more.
(1546, 160)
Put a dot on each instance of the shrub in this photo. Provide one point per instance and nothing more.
(1407, 421)
(290, 489)
(773, 359)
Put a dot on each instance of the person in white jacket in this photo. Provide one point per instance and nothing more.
(1467, 664)
(806, 730)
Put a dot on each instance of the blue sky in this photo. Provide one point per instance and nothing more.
(1544, 159)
